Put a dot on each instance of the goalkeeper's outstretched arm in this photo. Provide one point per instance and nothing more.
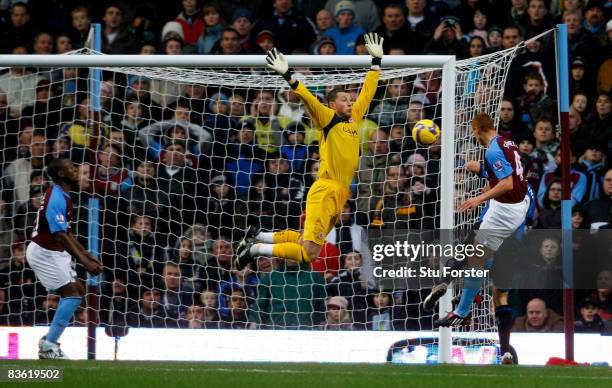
(320, 114)
(374, 45)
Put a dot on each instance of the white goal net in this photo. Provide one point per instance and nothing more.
(182, 161)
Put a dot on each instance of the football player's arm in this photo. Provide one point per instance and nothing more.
(374, 45)
(58, 227)
(319, 113)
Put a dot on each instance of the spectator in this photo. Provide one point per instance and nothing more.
(213, 25)
(81, 130)
(324, 45)
(191, 271)
(593, 165)
(268, 126)
(43, 43)
(140, 193)
(338, 315)
(220, 208)
(114, 36)
(289, 297)
(191, 21)
(596, 210)
(16, 179)
(546, 144)
(194, 318)
(63, 43)
(494, 39)
(509, 127)
(174, 298)
(380, 316)
(580, 103)
(244, 158)
(511, 36)
(201, 243)
(20, 29)
(447, 39)
(173, 46)
(211, 318)
(81, 24)
(246, 281)
(237, 317)
(48, 307)
(20, 88)
(242, 22)
(260, 203)
(264, 41)
(292, 29)
(477, 47)
(218, 268)
(396, 32)
(352, 284)
(603, 294)
(140, 30)
(421, 21)
(599, 124)
(539, 319)
(394, 107)
(115, 302)
(144, 255)
(549, 216)
(346, 32)
(22, 286)
(581, 43)
(110, 173)
(480, 24)
(290, 105)
(535, 103)
(578, 180)
(25, 215)
(288, 191)
(532, 169)
(324, 20)
(371, 175)
(537, 19)
(229, 44)
(172, 30)
(294, 149)
(150, 313)
(589, 320)
(45, 111)
(518, 12)
(594, 19)
(579, 81)
(366, 12)
(180, 182)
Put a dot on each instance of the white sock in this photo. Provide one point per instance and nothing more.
(266, 237)
(261, 249)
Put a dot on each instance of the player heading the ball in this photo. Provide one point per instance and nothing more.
(339, 142)
(509, 201)
(51, 250)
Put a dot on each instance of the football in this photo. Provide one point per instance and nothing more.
(425, 132)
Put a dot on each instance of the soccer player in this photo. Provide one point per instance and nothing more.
(49, 253)
(509, 202)
(338, 134)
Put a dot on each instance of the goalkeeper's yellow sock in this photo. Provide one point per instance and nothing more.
(286, 236)
(291, 251)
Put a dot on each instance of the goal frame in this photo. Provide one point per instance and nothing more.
(446, 63)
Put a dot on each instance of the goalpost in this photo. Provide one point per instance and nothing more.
(465, 88)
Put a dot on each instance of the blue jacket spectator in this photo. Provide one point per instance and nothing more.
(346, 32)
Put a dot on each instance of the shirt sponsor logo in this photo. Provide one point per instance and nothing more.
(60, 218)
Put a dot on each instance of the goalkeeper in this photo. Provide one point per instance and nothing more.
(338, 135)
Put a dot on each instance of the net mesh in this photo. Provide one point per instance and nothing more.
(179, 176)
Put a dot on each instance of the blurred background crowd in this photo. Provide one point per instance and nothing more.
(181, 169)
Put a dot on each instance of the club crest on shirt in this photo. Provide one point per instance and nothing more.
(498, 165)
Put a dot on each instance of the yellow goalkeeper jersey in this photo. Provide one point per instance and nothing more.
(339, 139)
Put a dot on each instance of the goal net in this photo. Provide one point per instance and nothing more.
(176, 163)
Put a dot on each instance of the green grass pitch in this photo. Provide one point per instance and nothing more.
(169, 374)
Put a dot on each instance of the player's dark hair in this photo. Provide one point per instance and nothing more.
(55, 167)
(333, 94)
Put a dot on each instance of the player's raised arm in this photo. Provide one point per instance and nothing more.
(320, 114)
(374, 45)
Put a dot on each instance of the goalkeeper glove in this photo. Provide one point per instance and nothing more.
(374, 45)
(278, 63)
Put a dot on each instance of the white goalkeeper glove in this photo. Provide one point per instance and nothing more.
(277, 62)
(374, 45)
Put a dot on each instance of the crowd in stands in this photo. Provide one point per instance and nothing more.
(180, 170)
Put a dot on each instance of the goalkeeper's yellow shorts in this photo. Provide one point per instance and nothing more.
(324, 204)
